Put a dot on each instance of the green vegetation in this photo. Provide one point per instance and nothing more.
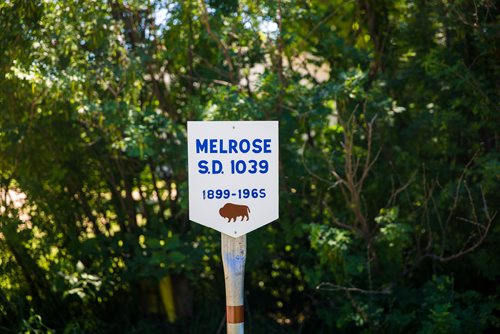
(390, 164)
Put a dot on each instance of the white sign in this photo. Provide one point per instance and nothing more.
(233, 175)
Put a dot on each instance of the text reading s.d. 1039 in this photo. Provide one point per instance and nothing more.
(235, 166)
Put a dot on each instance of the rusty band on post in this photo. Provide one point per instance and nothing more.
(235, 314)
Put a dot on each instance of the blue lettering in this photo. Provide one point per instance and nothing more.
(247, 144)
(232, 146)
(217, 167)
(203, 168)
(257, 148)
(221, 143)
(201, 146)
(267, 145)
(213, 145)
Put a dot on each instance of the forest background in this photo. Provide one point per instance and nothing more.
(389, 174)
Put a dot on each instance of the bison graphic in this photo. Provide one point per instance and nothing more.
(232, 211)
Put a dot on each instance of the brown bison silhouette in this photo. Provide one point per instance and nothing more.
(232, 211)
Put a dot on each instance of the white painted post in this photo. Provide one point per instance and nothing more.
(234, 252)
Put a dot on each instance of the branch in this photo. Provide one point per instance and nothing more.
(333, 287)
(219, 41)
(336, 221)
(368, 163)
(466, 250)
(396, 192)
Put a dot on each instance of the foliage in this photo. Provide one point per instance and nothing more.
(389, 163)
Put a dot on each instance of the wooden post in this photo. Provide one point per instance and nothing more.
(234, 251)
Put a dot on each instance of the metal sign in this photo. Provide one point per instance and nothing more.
(233, 175)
